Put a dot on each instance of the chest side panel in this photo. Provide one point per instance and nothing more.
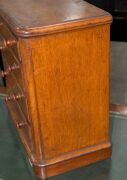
(71, 72)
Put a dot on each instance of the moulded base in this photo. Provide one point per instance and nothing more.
(74, 160)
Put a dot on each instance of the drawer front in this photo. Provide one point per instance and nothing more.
(15, 90)
(11, 62)
(14, 79)
(15, 94)
(8, 39)
(23, 127)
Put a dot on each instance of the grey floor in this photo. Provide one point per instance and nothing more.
(118, 73)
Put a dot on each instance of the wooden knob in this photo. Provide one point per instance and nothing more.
(4, 73)
(10, 69)
(13, 97)
(20, 125)
(13, 68)
(10, 42)
(4, 44)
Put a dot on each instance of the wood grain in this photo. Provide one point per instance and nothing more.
(63, 121)
(50, 16)
(73, 80)
(64, 74)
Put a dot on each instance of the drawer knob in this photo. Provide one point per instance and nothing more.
(4, 44)
(10, 69)
(20, 125)
(13, 97)
(4, 73)
(13, 68)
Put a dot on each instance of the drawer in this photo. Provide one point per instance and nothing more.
(8, 39)
(16, 94)
(14, 79)
(12, 67)
(23, 127)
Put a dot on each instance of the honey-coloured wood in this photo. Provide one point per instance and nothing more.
(67, 84)
(59, 95)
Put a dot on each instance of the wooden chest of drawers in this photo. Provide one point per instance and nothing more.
(56, 60)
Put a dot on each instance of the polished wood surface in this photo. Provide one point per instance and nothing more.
(90, 155)
(67, 84)
(59, 95)
(30, 18)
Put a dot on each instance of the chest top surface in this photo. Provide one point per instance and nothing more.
(33, 17)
